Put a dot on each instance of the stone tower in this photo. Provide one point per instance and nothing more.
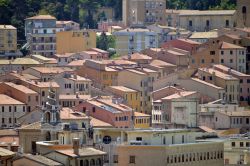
(243, 13)
(51, 111)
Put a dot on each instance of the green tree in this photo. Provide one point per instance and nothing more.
(102, 41)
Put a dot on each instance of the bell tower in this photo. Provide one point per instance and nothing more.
(51, 111)
(243, 13)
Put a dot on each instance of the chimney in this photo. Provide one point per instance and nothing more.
(76, 145)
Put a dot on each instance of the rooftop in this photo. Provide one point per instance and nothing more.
(234, 72)
(20, 88)
(218, 73)
(6, 153)
(76, 63)
(122, 88)
(138, 114)
(204, 35)
(41, 17)
(98, 123)
(42, 160)
(78, 78)
(226, 45)
(32, 126)
(7, 27)
(99, 50)
(83, 152)
(65, 55)
(6, 100)
(138, 56)
(235, 113)
(69, 114)
(189, 41)
(206, 12)
(160, 63)
(74, 97)
(179, 95)
(206, 83)
(51, 70)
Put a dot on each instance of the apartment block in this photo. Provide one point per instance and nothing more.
(8, 41)
(227, 82)
(40, 32)
(11, 109)
(132, 40)
(97, 71)
(130, 96)
(75, 41)
(244, 83)
(140, 80)
(143, 12)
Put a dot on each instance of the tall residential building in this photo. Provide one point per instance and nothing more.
(131, 40)
(40, 32)
(243, 13)
(8, 40)
(75, 41)
(143, 12)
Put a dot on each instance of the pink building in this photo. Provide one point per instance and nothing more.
(244, 95)
(109, 110)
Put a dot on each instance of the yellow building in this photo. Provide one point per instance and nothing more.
(142, 81)
(75, 41)
(101, 75)
(131, 96)
(8, 40)
(141, 120)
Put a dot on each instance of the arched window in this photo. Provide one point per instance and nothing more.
(92, 162)
(81, 162)
(98, 162)
(244, 9)
(86, 162)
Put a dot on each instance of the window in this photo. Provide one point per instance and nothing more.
(115, 158)
(247, 144)
(231, 60)
(183, 139)
(241, 144)
(36, 98)
(248, 81)
(93, 109)
(9, 120)
(2, 120)
(212, 60)
(210, 78)
(9, 108)
(2, 108)
(43, 93)
(222, 52)
(132, 159)
(233, 144)
(227, 23)
(29, 98)
(244, 10)
(202, 61)
(247, 120)
(222, 61)
(231, 52)
(212, 52)
(15, 108)
(23, 108)
(138, 138)
(190, 23)
(241, 81)
(208, 23)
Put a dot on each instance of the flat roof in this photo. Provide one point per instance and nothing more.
(7, 27)
(206, 12)
(204, 35)
(82, 152)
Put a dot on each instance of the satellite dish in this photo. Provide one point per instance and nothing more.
(106, 140)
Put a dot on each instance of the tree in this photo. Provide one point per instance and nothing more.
(102, 41)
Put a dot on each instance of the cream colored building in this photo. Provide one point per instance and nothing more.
(8, 40)
(236, 151)
(132, 40)
(143, 12)
(201, 21)
(142, 81)
(227, 82)
(165, 147)
(75, 41)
